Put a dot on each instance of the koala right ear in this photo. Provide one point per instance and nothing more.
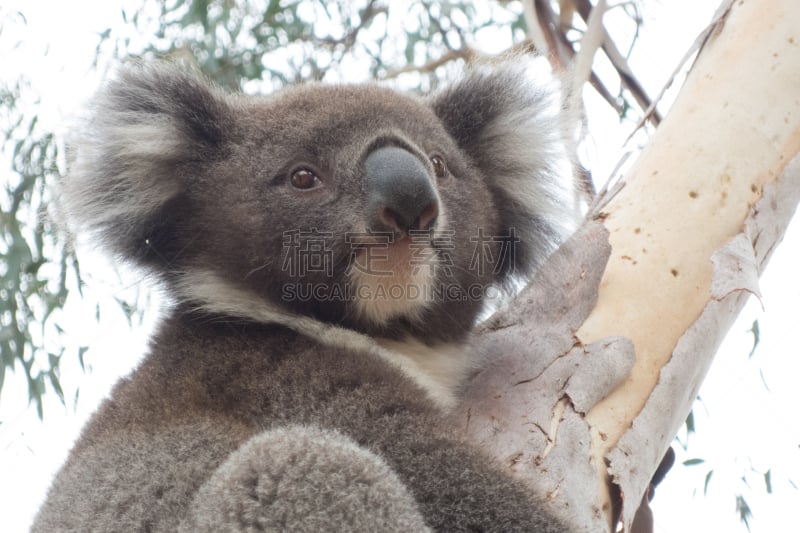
(511, 125)
(128, 159)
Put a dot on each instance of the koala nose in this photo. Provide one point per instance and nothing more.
(400, 192)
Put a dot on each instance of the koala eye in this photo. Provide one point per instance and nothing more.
(439, 168)
(304, 179)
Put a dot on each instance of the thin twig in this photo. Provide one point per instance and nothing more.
(620, 64)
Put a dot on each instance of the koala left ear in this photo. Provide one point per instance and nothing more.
(130, 158)
(512, 128)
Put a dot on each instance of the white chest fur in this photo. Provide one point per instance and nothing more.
(437, 369)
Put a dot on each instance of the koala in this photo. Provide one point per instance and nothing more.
(326, 250)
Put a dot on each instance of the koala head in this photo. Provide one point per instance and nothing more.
(353, 205)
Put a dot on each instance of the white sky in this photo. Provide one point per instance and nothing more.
(741, 424)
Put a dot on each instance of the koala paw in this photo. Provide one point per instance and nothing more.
(301, 478)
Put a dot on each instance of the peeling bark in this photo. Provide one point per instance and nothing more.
(528, 406)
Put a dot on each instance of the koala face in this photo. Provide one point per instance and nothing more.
(358, 206)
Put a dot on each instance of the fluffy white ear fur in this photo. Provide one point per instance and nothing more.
(509, 118)
(137, 188)
(124, 152)
(533, 138)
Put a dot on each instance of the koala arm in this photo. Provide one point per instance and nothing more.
(301, 478)
(293, 478)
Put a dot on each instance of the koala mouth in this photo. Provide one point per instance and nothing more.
(394, 256)
(393, 280)
(407, 254)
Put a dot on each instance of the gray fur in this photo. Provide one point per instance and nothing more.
(276, 481)
(253, 411)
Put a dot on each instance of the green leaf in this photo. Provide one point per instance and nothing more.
(743, 510)
(52, 376)
(755, 330)
(690, 428)
(707, 481)
(81, 352)
(693, 462)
